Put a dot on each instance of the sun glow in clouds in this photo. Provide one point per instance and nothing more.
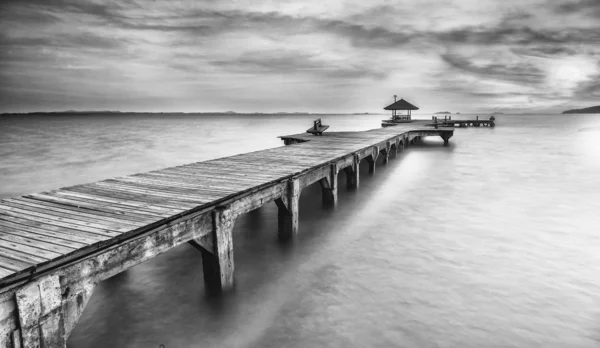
(567, 73)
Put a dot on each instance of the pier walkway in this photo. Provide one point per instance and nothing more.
(56, 246)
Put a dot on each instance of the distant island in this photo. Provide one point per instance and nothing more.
(590, 110)
(443, 112)
(497, 113)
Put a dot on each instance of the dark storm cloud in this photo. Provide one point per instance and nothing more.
(589, 89)
(73, 40)
(212, 22)
(297, 63)
(544, 51)
(523, 35)
(108, 10)
(586, 7)
(522, 72)
(367, 36)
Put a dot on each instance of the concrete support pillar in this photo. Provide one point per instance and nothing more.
(388, 147)
(39, 307)
(353, 174)
(218, 265)
(373, 159)
(75, 298)
(288, 211)
(329, 187)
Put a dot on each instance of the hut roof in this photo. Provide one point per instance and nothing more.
(401, 105)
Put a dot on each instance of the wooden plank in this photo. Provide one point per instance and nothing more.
(13, 265)
(123, 211)
(177, 204)
(25, 253)
(52, 231)
(21, 257)
(22, 240)
(256, 173)
(77, 214)
(42, 220)
(227, 185)
(137, 201)
(32, 212)
(196, 195)
(224, 176)
(5, 272)
(251, 165)
(99, 198)
(40, 237)
(180, 185)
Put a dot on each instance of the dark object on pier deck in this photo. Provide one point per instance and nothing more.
(317, 128)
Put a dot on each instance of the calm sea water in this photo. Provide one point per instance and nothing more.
(493, 241)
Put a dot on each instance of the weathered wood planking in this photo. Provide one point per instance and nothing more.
(44, 228)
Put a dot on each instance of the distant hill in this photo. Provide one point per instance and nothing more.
(443, 112)
(590, 110)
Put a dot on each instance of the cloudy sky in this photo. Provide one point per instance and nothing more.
(299, 55)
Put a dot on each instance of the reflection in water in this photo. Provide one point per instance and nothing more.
(490, 242)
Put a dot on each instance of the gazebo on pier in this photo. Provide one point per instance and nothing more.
(400, 105)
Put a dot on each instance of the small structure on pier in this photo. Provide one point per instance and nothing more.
(396, 117)
(318, 128)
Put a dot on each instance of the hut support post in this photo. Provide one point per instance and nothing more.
(287, 205)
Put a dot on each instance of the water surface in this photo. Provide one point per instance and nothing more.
(493, 241)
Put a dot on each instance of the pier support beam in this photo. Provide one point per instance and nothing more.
(75, 298)
(218, 265)
(445, 136)
(353, 173)
(386, 152)
(39, 307)
(329, 187)
(288, 211)
(372, 159)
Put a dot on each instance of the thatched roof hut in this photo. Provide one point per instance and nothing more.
(401, 105)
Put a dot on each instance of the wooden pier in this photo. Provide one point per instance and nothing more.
(449, 122)
(56, 246)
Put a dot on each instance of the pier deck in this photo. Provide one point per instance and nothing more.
(56, 246)
(449, 122)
